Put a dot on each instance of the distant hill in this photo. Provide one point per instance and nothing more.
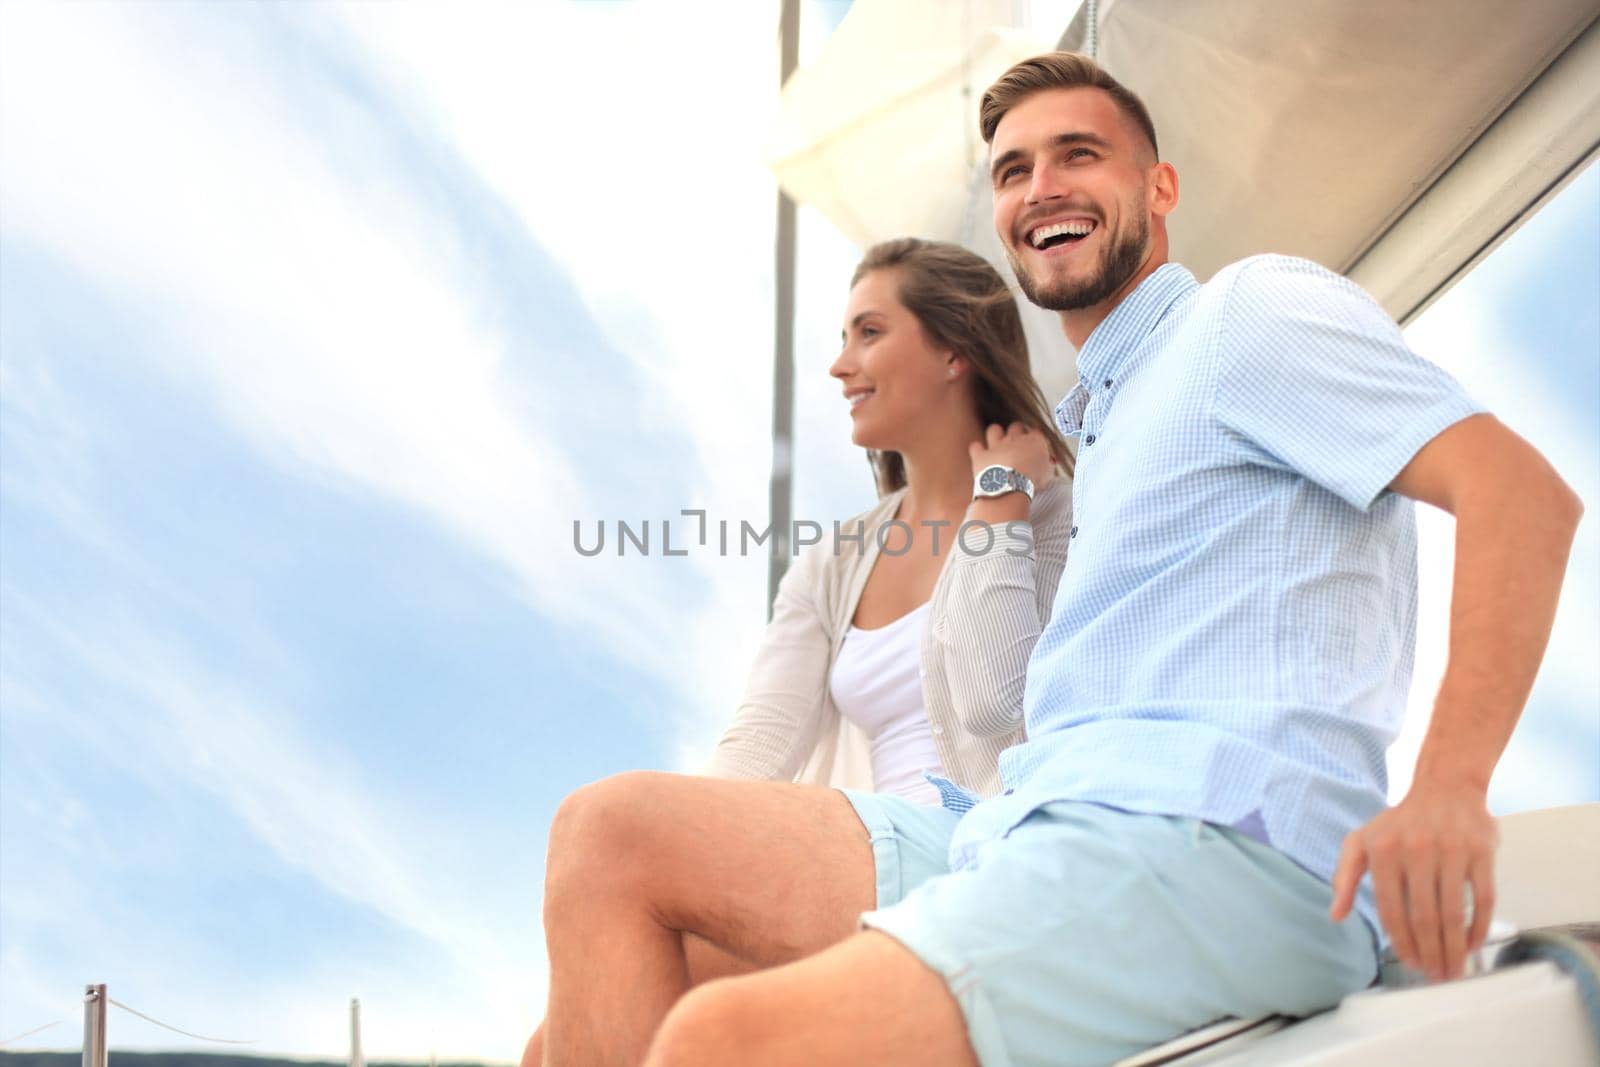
(191, 1059)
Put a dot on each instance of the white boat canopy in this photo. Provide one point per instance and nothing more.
(1394, 143)
(880, 133)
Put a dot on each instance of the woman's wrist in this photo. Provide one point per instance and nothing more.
(999, 510)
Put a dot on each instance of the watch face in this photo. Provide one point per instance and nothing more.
(994, 478)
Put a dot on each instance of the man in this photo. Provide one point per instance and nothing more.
(1202, 790)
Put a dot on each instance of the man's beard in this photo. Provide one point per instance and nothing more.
(1118, 262)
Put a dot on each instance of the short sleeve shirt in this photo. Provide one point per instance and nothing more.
(1232, 638)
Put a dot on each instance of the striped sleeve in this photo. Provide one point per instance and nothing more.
(997, 602)
(779, 719)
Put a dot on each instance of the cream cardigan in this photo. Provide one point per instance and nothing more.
(987, 610)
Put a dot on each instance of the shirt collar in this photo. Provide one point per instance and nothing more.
(1119, 334)
(1069, 413)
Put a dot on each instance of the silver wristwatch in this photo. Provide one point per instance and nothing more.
(998, 481)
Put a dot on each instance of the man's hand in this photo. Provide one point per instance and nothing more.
(1423, 854)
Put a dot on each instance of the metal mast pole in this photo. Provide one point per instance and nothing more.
(356, 1059)
(780, 494)
(94, 1026)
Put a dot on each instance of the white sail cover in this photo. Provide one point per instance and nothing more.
(879, 133)
(1394, 142)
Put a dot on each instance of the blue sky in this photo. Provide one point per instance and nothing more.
(321, 326)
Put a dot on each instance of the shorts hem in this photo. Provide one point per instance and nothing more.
(885, 847)
(960, 977)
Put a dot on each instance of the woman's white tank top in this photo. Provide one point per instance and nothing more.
(877, 684)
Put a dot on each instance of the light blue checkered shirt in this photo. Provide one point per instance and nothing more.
(1232, 638)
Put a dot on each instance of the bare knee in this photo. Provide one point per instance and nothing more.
(593, 839)
(713, 1024)
(533, 1053)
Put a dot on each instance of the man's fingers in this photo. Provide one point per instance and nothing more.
(1421, 873)
(994, 434)
(1389, 887)
(1423, 856)
(1481, 874)
(1347, 877)
(1453, 911)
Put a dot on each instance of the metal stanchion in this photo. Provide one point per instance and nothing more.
(356, 1059)
(94, 1026)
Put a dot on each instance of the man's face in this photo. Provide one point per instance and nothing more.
(1070, 197)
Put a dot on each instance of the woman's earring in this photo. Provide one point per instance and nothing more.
(952, 372)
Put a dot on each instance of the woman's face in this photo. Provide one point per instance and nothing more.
(893, 377)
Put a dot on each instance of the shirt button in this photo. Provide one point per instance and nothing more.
(1074, 532)
(1089, 440)
(938, 729)
(1108, 383)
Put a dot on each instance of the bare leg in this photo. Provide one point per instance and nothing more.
(706, 962)
(867, 1000)
(766, 872)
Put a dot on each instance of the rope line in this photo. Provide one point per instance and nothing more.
(1569, 953)
(174, 1029)
(30, 1033)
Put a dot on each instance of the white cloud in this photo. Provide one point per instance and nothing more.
(629, 140)
(321, 303)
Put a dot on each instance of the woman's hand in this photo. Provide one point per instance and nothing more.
(1023, 450)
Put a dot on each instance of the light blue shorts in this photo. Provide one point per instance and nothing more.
(910, 841)
(1086, 934)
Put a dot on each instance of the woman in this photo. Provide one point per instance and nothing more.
(900, 647)
(898, 650)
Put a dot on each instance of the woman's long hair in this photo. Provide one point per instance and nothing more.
(965, 306)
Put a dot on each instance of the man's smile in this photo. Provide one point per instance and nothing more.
(1059, 235)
